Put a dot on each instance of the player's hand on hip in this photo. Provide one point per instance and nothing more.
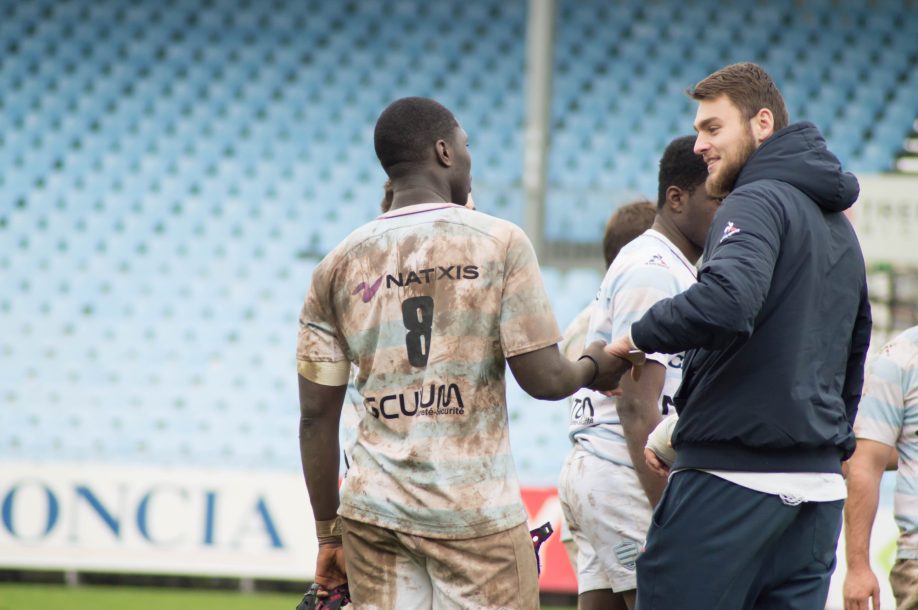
(331, 568)
(861, 585)
(609, 368)
(656, 465)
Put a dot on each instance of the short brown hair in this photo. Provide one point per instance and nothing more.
(749, 87)
(625, 224)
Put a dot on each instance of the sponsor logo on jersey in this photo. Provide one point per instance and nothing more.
(369, 291)
(418, 276)
(657, 260)
(432, 274)
(441, 400)
(729, 230)
(582, 411)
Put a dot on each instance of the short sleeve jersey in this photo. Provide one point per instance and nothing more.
(428, 301)
(648, 269)
(888, 414)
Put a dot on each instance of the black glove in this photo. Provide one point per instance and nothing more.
(540, 535)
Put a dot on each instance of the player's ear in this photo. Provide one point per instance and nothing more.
(675, 198)
(444, 153)
(763, 125)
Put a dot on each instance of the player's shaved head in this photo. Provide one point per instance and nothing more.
(681, 167)
(407, 131)
(624, 225)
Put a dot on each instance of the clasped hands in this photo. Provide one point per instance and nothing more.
(612, 361)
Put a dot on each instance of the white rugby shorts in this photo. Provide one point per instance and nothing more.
(608, 515)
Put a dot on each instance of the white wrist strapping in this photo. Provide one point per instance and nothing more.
(660, 439)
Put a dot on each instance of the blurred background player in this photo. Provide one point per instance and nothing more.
(776, 331)
(606, 490)
(887, 436)
(429, 301)
(626, 223)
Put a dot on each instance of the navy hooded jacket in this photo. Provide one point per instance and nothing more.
(777, 327)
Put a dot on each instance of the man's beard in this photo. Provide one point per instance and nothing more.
(720, 184)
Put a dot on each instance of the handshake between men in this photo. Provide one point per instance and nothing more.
(611, 362)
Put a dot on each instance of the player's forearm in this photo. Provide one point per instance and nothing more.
(320, 412)
(860, 512)
(319, 452)
(566, 378)
(638, 421)
(547, 375)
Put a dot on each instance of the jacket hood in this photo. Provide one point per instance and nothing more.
(798, 155)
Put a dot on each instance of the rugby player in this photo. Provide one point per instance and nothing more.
(430, 300)
(626, 223)
(886, 428)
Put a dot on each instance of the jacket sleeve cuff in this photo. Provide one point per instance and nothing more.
(639, 340)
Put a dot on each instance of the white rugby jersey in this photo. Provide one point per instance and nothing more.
(647, 270)
(888, 414)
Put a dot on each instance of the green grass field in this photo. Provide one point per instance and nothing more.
(57, 597)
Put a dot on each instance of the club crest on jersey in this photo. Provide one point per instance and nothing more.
(729, 230)
(658, 261)
(369, 291)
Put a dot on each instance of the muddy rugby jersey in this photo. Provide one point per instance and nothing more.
(428, 301)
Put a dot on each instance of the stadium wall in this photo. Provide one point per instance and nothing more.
(886, 218)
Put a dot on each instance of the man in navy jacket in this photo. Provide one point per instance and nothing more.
(776, 331)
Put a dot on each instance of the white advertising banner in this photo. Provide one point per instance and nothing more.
(232, 523)
(886, 218)
(155, 520)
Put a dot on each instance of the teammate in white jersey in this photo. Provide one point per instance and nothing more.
(606, 489)
(886, 424)
(626, 223)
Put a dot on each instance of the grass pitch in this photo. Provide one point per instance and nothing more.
(58, 597)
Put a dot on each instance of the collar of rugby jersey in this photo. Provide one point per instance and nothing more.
(418, 208)
(675, 250)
